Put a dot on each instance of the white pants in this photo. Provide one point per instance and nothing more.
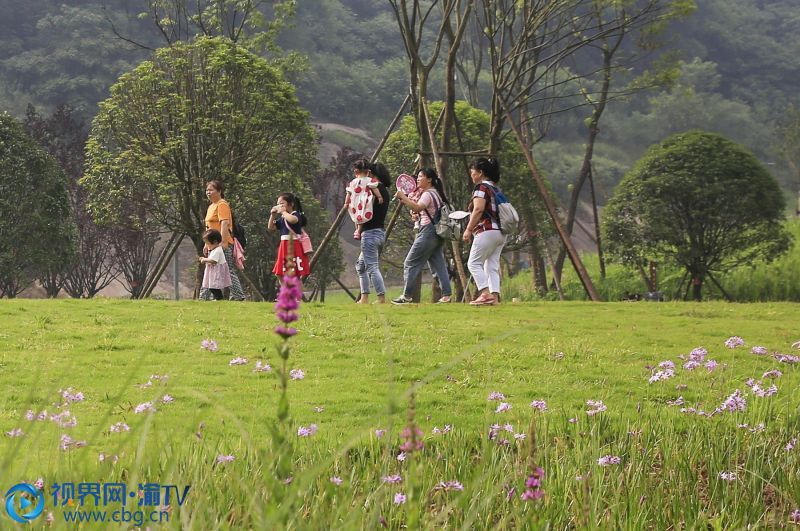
(484, 259)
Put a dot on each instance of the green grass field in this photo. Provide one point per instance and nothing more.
(361, 366)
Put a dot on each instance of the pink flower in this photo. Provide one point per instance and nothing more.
(698, 354)
(380, 433)
(399, 498)
(223, 459)
(519, 436)
(795, 516)
(573, 420)
(238, 361)
(531, 495)
(336, 480)
(735, 402)
(791, 444)
(286, 307)
(759, 351)
(710, 365)
(774, 373)
(16, 432)
(297, 374)
(402, 456)
(449, 485)
(495, 395)
(669, 364)
(392, 479)
(119, 427)
(691, 365)
(167, 399)
(209, 344)
(607, 460)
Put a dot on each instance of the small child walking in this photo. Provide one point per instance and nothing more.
(217, 275)
(361, 195)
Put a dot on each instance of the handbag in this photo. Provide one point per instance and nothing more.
(238, 255)
(304, 239)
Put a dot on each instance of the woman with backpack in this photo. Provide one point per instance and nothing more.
(484, 228)
(219, 217)
(428, 246)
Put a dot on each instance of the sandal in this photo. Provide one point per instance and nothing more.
(484, 300)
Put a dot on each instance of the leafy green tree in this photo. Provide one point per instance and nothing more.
(196, 112)
(700, 201)
(36, 224)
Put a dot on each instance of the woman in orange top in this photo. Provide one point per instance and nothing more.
(219, 217)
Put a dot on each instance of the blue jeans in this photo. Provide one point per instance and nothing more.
(367, 264)
(427, 247)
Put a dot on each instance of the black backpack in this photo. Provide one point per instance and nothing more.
(238, 232)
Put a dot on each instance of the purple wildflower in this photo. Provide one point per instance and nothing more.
(787, 358)
(791, 444)
(666, 374)
(607, 460)
(734, 341)
(539, 405)
(698, 354)
(677, 402)
(668, 364)
(402, 456)
(379, 433)
(302, 431)
(16, 432)
(735, 402)
(262, 367)
(119, 427)
(286, 307)
(336, 480)
(222, 459)
(167, 399)
(495, 395)
(710, 365)
(597, 407)
(297, 374)
(65, 419)
(504, 406)
(238, 361)
(795, 516)
(519, 436)
(774, 373)
(727, 476)
(412, 439)
(70, 395)
(691, 365)
(759, 351)
(392, 479)
(209, 345)
(449, 485)
(399, 498)
(143, 407)
(573, 420)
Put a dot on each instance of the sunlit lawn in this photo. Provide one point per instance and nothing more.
(360, 364)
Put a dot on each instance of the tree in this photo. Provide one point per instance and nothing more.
(195, 112)
(698, 200)
(36, 224)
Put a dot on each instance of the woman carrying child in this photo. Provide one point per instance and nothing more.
(217, 275)
(288, 218)
(362, 192)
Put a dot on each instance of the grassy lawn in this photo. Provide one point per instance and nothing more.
(362, 363)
